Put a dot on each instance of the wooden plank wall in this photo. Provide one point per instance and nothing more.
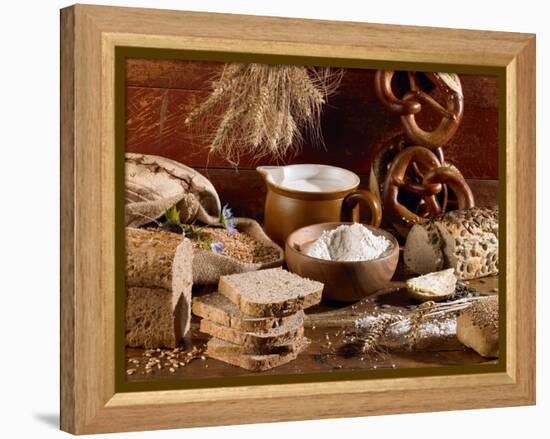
(160, 94)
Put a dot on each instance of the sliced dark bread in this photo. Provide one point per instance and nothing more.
(219, 309)
(218, 345)
(273, 292)
(258, 362)
(258, 340)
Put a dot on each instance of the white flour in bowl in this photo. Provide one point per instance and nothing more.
(349, 243)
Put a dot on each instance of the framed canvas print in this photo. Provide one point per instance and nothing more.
(273, 219)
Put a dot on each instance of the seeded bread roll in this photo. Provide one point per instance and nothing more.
(261, 341)
(436, 286)
(159, 279)
(468, 242)
(219, 309)
(258, 362)
(273, 292)
(477, 327)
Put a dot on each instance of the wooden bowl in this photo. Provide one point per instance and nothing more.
(344, 281)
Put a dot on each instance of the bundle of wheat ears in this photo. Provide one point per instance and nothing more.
(366, 339)
(264, 110)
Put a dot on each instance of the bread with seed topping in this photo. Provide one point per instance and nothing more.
(477, 327)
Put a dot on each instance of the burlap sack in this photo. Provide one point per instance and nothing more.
(154, 184)
(209, 266)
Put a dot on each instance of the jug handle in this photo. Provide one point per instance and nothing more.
(368, 199)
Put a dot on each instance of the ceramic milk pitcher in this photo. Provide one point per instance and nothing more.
(300, 195)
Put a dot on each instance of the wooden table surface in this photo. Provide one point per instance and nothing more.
(326, 325)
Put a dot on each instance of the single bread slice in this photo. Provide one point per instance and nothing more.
(258, 362)
(260, 341)
(477, 327)
(439, 285)
(273, 292)
(219, 309)
(221, 346)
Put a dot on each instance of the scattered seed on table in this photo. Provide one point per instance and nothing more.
(130, 371)
(172, 370)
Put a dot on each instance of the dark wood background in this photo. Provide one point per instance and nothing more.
(161, 93)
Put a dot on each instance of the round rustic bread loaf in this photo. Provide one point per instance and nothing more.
(477, 327)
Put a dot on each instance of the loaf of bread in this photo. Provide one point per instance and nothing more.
(219, 309)
(159, 280)
(466, 240)
(273, 292)
(477, 327)
(256, 362)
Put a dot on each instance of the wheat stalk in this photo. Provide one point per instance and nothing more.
(367, 339)
(262, 110)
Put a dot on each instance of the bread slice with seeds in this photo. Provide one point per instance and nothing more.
(272, 292)
(219, 309)
(477, 327)
(436, 286)
(258, 362)
(261, 341)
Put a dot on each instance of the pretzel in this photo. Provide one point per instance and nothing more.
(411, 104)
(451, 177)
(418, 170)
(396, 213)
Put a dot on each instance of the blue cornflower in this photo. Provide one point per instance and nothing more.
(228, 220)
(217, 247)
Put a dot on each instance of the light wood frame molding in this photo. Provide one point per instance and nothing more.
(89, 403)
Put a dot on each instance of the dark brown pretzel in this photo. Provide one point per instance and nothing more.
(451, 177)
(436, 179)
(412, 101)
(401, 217)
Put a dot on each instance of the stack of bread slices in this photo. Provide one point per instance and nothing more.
(256, 319)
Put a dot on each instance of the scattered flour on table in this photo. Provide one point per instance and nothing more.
(349, 243)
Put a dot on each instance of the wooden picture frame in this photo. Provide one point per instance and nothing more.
(90, 35)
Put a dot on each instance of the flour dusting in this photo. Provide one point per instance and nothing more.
(349, 243)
